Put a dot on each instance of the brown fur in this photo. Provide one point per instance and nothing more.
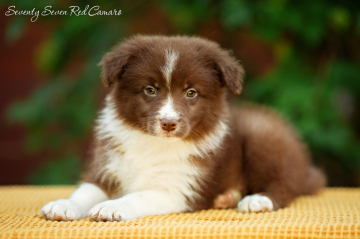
(261, 154)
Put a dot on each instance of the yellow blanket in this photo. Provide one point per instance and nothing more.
(333, 213)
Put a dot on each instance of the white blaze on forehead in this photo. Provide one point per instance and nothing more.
(170, 61)
(168, 110)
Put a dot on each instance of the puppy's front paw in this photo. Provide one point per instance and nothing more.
(112, 210)
(63, 210)
(255, 203)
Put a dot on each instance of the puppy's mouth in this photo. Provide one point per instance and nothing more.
(166, 134)
(161, 133)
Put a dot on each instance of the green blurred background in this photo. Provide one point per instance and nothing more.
(301, 58)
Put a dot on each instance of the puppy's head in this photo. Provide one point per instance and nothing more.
(171, 86)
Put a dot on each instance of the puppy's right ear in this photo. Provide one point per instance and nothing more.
(114, 62)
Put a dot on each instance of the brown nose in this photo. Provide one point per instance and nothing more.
(168, 124)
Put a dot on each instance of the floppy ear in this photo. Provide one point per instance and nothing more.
(114, 62)
(230, 70)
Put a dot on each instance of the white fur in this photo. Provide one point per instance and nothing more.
(157, 172)
(171, 58)
(87, 195)
(167, 110)
(156, 175)
(255, 203)
(135, 205)
(63, 209)
(77, 206)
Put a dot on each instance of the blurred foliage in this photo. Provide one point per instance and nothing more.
(63, 171)
(314, 81)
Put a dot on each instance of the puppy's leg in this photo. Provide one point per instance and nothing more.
(279, 194)
(77, 206)
(228, 199)
(275, 195)
(138, 204)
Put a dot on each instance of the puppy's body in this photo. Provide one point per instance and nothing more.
(166, 140)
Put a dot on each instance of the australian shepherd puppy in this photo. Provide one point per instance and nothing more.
(167, 141)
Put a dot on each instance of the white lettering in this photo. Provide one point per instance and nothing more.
(10, 11)
(96, 8)
(46, 11)
(36, 15)
(75, 10)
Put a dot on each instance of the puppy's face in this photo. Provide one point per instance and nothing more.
(171, 87)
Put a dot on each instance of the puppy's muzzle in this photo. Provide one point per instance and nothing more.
(168, 124)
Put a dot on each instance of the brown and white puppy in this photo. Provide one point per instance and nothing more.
(167, 141)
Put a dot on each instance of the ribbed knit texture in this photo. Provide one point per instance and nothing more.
(333, 213)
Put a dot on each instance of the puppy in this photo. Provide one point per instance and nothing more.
(167, 141)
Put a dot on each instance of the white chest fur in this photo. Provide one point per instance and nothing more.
(142, 162)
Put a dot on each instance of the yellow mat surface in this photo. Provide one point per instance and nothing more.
(333, 213)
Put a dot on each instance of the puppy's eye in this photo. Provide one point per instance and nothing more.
(191, 93)
(150, 91)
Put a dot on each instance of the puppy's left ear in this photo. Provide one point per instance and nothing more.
(230, 70)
